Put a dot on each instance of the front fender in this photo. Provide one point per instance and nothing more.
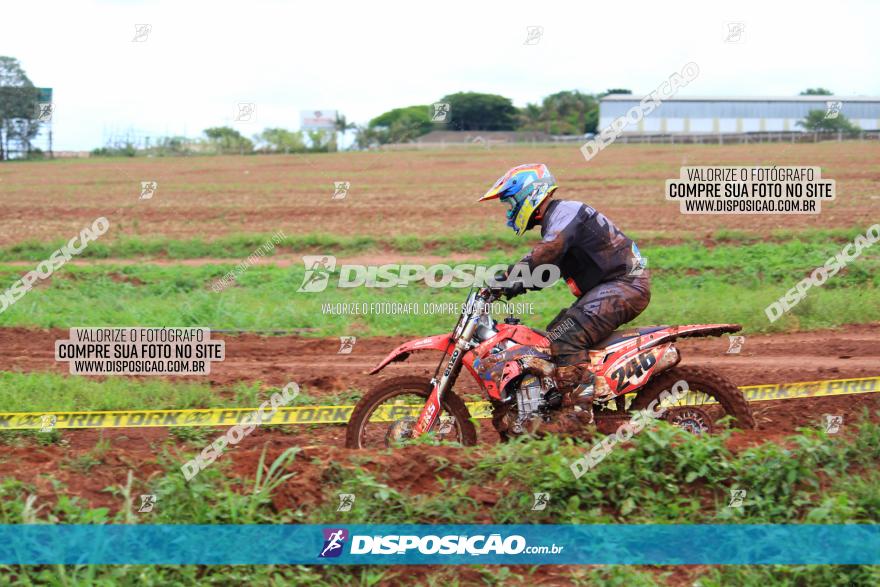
(439, 342)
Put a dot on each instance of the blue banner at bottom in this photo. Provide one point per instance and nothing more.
(441, 544)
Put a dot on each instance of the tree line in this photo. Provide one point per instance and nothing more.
(568, 112)
(19, 120)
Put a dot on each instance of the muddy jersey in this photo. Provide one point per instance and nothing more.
(587, 247)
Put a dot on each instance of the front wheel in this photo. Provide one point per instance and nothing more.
(386, 415)
(710, 397)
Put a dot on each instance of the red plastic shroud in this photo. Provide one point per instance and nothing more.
(644, 349)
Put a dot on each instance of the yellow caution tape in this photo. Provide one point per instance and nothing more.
(386, 413)
(779, 391)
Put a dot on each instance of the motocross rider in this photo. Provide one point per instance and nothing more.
(602, 266)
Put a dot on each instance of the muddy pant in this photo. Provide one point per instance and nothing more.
(595, 315)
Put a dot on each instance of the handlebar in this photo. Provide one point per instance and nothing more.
(490, 294)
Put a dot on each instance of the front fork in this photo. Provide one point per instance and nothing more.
(431, 410)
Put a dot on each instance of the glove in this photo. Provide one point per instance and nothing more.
(514, 290)
(511, 290)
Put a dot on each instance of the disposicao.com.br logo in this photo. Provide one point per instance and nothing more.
(334, 541)
(456, 544)
(320, 268)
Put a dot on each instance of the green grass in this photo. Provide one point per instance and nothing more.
(792, 576)
(663, 476)
(690, 283)
(667, 476)
(45, 392)
(240, 246)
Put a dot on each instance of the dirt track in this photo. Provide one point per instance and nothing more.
(849, 352)
(413, 470)
(852, 351)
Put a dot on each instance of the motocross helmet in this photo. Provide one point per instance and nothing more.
(523, 189)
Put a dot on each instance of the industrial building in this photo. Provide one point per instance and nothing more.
(727, 114)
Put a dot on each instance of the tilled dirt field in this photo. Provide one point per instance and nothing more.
(402, 192)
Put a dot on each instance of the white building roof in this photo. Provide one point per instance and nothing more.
(636, 98)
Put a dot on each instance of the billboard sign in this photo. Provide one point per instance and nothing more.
(317, 119)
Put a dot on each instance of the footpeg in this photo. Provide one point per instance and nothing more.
(582, 397)
(584, 391)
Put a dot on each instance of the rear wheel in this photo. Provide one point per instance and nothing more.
(386, 415)
(710, 397)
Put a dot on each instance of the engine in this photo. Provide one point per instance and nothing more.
(536, 397)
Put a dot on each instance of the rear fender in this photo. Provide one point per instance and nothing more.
(631, 371)
(629, 365)
(686, 331)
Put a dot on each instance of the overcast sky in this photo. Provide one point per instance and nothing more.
(363, 57)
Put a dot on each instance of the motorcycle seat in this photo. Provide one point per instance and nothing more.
(621, 335)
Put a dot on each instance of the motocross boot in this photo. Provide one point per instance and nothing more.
(579, 379)
(583, 394)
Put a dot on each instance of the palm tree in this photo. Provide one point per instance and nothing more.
(343, 126)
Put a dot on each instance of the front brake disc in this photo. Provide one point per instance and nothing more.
(692, 419)
(400, 430)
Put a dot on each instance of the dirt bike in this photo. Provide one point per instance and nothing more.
(514, 370)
